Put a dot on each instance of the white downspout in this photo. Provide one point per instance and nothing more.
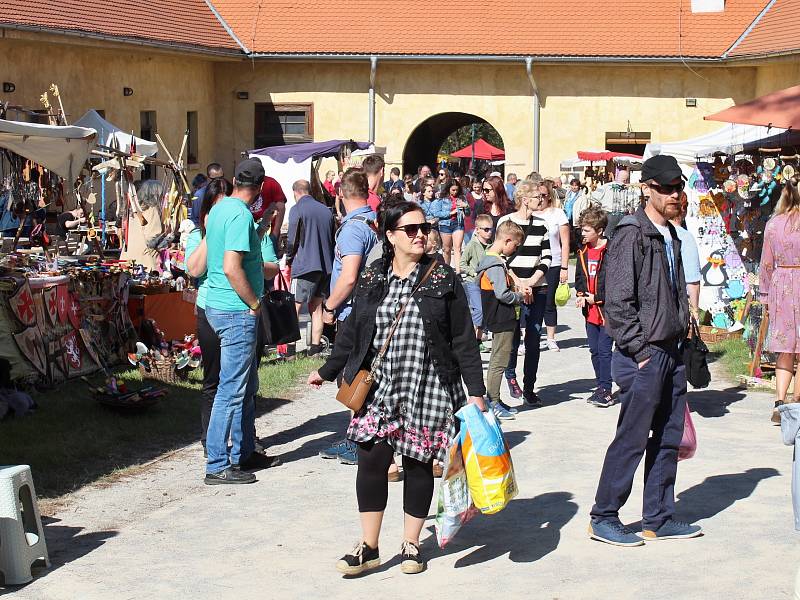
(373, 67)
(536, 111)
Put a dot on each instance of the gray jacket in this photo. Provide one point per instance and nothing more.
(790, 431)
(640, 305)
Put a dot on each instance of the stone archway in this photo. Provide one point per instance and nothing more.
(424, 142)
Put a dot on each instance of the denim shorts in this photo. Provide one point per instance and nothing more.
(450, 228)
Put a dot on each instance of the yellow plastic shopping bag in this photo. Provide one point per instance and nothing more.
(487, 460)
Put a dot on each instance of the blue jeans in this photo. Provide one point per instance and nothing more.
(474, 300)
(233, 414)
(600, 344)
(531, 319)
(653, 398)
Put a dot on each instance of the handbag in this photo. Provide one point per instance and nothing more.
(279, 315)
(694, 357)
(353, 395)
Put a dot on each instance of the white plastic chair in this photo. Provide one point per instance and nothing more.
(21, 534)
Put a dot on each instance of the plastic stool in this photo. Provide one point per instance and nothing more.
(21, 535)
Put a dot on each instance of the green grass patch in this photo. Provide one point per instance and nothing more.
(734, 355)
(72, 440)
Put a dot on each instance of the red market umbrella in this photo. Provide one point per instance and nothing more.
(483, 150)
(778, 109)
(604, 155)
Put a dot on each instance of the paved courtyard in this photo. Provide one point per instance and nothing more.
(163, 534)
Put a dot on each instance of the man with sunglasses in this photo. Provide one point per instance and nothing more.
(647, 314)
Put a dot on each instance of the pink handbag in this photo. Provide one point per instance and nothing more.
(689, 442)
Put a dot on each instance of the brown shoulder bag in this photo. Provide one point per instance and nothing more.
(353, 395)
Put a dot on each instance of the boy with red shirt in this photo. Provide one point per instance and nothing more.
(590, 288)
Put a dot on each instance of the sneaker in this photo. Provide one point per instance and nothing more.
(531, 399)
(361, 558)
(513, 388)
(483, 348)
(673, 530)
(350, 455)
(552, 345)
(594, 397)
(505, 406)
(335, 450)
(411, 559)
(231, 475)
(604, 399)
(259, 461)
(501, 413)
(613, 532)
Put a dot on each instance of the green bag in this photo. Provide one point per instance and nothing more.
(562, 294)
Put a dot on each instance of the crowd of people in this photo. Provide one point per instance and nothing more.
(420, 274)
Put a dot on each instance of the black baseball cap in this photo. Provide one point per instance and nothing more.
(250, 172)
(662, 169)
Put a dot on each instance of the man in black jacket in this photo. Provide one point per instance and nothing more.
(647, 315)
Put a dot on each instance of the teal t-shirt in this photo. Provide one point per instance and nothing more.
(230, 227)
(192, 242)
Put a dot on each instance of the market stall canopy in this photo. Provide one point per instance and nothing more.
(302, 152)
(731, 139)
(62, 150)
(483, 150)
(778, 109)
(575, 163)
(596, 155)
(108, 133)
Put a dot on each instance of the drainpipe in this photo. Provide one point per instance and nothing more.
(536, 110)
(373, 67)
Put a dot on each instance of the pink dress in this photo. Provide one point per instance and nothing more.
(779, 282)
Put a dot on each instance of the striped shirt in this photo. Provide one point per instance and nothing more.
(534, 253)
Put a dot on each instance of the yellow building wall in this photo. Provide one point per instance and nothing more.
(582, 103)
(92, 76)
(777, 75)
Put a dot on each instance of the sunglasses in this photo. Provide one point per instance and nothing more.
(486, 228)
(668, 189)
(414, 228)
(488, 190)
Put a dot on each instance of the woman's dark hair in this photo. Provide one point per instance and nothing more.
(575, 181)
(450, 183)
(496, 183)
(388, 218)
(199, 181)
(217, 187)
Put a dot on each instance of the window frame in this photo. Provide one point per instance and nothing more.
(261, 109)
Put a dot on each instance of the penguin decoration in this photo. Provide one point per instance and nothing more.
(714, 273)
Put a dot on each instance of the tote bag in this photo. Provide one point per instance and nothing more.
(279, 315)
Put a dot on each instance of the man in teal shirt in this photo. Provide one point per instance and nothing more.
(235, 284)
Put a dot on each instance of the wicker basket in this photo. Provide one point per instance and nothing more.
(713, 335)
(163, 369)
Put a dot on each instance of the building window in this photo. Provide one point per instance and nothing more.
(277, 124)
(191, 143)
(148, 128)
(100, 112)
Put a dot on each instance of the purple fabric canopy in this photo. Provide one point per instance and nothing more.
(301, 152)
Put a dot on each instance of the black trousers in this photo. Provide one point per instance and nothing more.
(372, 480)
(553, 278)
(210, 347)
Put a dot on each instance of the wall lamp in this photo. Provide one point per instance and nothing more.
(8, 87)
(691, 102)
(242, 95)
(126, 91)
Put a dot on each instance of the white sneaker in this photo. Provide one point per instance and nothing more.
(552, 345)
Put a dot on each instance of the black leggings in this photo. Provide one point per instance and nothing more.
(372, 480)
(553, 278)
(210, 347)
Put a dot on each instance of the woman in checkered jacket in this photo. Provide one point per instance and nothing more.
(418, 386)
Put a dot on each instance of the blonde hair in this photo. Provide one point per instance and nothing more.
(524, 189)
(789, 201)
(484, 218)
(435, 240)
(553, 199)
(509, 229)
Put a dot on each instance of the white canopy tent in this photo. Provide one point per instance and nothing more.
(62, 150)
(730, 139)
(108, 133)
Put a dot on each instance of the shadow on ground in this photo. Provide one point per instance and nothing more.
(714, 403)
(527, 530)
(557, 393)
(64, 545)
(334, 423)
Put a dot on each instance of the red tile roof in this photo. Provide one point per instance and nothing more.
(624, 28)
(184, 23)
(774, 32)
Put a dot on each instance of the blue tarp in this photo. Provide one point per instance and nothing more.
(302, 152)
